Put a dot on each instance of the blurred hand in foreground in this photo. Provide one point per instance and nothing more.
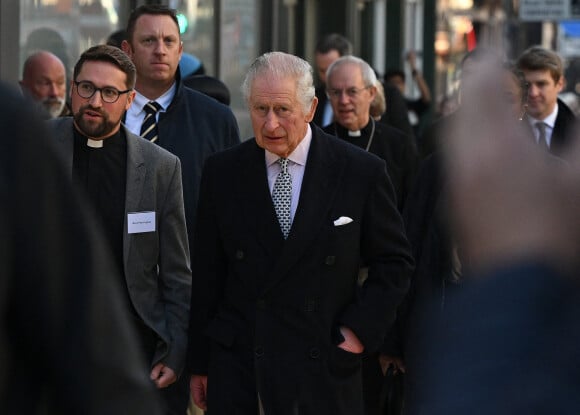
(509, 199)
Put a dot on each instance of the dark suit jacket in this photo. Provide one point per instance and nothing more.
(320, 93)
(562, 134)
(510, 344)
(193, 127)
(157, 267)
(396, 114)
(279, 303)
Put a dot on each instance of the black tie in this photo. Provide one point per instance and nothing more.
(149, 126)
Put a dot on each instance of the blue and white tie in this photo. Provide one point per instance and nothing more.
(282, 197)
(149, 126)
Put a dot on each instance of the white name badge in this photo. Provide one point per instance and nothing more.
(141, 222)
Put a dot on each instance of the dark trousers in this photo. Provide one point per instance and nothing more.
(383, 395)
(231, 386)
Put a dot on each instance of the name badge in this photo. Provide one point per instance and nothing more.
(141, 222)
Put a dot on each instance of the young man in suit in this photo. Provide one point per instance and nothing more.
(351, 88)
(285, 222)
(135, 189)
(550, 119)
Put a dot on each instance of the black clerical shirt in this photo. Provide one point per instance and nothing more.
(361, 141)
(101, 174)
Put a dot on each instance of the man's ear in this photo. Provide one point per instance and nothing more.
(373, 92)
(130, 99)
(310, 115)
(561, 84)
(126, 47)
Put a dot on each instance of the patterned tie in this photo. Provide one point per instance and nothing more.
(149, 126)
(542, 141)
(282, 197)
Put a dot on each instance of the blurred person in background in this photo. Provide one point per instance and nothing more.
(548, 116)
(44, 81)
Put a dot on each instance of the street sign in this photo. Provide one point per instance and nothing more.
(542, 10)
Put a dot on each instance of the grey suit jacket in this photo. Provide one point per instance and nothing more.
(157, 264)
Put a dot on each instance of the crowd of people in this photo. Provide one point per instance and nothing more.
(327, 265)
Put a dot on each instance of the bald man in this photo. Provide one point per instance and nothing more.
(44, 80)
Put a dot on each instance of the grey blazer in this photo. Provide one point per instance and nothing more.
(157, 264)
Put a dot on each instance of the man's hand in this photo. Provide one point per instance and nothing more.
(509, 199)
(351, 343)
(412, 59)
(162, 375)
(198, 387)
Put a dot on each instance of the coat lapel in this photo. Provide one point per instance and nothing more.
(66, 148)
(136, 170)
(324, 171)
(256, 202)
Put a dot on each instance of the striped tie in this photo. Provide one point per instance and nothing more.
(149, 126)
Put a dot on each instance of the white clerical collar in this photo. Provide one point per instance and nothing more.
(298, 156)
(356, 133)
(94, 143)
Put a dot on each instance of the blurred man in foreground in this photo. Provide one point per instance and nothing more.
(67, 345)
(511, 339)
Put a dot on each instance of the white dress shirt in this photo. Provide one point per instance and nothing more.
(296, 167)
(550, 122)
(136, 113)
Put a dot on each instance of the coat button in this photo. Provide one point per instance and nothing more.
(314, 353)
(330, 260)
(259, 352)
(239, 254)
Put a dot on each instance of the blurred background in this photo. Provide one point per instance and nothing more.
(228, 34)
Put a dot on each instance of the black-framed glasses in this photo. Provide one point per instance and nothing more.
(350, 92)
(110, 95)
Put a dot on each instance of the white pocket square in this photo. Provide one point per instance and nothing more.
(343, 220)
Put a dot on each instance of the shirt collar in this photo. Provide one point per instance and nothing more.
(300, 153)
(550, 120)
(164, 100)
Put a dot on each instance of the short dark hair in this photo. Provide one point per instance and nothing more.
(111, 54)
(394, 73)
(334, 41)
(154, 9)
(519, 76)
(116, 38)
(537, 58)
